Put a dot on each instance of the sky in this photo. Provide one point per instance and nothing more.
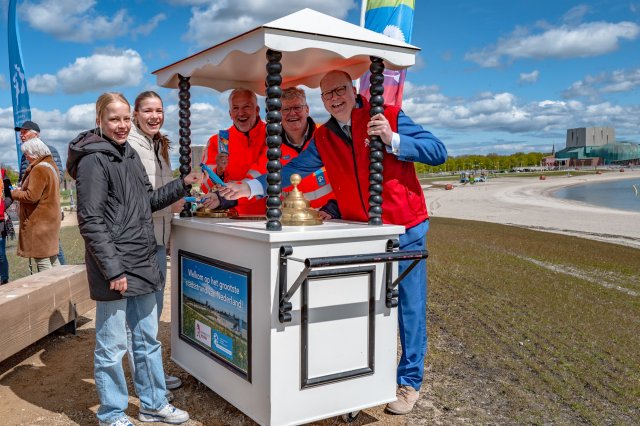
(492, 76)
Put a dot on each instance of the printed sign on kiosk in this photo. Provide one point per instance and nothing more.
(215, 311)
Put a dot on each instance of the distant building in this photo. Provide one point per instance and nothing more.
(592, 146)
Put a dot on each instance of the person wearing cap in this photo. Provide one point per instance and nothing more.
(29, 130)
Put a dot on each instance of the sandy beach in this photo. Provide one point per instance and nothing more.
(527, 202)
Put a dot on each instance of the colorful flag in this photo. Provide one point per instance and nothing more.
(18, 79)
(393, 18)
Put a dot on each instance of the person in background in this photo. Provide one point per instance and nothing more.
(153, 149)
(245, 144)
(222, 161)
(115, 204)
(28, 130)
(4, 263)
(39, 209)
(342, 146)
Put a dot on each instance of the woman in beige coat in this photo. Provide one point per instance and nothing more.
(39, 210)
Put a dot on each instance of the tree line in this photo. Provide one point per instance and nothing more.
(491, 161)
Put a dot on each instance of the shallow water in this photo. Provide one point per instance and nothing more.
(617, 194)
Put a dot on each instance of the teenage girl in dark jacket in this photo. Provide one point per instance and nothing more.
(115, 201)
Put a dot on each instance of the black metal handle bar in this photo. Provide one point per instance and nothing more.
(387, 257)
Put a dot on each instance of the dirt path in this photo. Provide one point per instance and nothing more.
(51, 383)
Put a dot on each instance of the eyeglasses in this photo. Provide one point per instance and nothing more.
(338, 91)
(297, 109)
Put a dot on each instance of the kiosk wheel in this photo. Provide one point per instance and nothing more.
(350, 417)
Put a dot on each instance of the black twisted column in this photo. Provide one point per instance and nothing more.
(376, 145)
(274, 140)
(185, 135)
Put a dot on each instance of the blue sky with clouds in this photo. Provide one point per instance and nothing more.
(492, 76)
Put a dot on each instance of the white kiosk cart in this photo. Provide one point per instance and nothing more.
(288, 323)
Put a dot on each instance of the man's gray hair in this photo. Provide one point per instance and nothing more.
(293, 93)
(235, 92)
(35, 148)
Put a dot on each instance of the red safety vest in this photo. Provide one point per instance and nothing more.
(247, 156)
(347, 163)
(316, 186)
(2, 175)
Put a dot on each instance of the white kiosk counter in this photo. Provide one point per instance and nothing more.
(289, 324)
(337, 355)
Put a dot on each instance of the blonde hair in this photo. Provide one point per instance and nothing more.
(106, 99)
(162, 140)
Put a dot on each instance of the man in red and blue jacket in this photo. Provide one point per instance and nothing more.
(341, 145)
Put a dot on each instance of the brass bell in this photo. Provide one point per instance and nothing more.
(296, 210)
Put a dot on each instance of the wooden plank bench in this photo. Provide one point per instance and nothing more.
(36, 305)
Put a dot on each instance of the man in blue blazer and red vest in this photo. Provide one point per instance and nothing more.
(342, 146)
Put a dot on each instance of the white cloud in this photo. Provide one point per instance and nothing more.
(505, 113)
(205, 120)
(81, 117)
(147, 28)
(575, 14)
(110, 68)
(215, 21)
(584, 40)
(530, 77)
(3, 82)
(45, 84)
(74, 20)
(57, 130)
(102, 70)
(594, 87)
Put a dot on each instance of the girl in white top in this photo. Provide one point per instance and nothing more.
(153, 149)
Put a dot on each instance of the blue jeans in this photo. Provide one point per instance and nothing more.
(61, 258)
(412, 310)
(161, 255)
(4, 263)
(140, 314)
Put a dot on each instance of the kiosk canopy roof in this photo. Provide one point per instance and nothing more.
(311, 43)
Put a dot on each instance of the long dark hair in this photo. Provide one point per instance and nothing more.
(162, 140)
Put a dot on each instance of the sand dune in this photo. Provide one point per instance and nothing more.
(527, 202)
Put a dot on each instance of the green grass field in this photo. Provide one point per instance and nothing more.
(72, 244)
(525, 327)
(532, 327)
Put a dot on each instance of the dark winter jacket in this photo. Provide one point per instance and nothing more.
(115, 202)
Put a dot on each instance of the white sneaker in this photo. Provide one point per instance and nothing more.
(167, 414)
(172, 382)
(122, 421)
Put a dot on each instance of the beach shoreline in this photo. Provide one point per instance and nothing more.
(528, 202)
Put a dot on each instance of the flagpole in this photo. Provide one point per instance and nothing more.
(363, 12)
